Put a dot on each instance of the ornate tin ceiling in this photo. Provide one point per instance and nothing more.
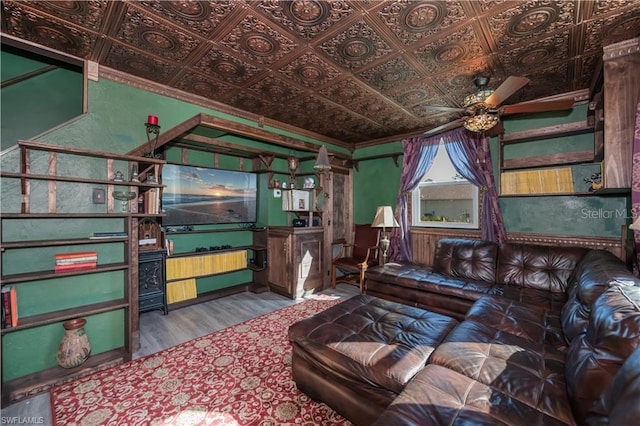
(353, 71)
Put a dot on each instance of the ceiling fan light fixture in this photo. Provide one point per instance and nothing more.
(481, 122)
(476, 98)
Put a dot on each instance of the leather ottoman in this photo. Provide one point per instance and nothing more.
(359, 355)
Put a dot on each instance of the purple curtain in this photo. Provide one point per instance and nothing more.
(635, 185)
(471, 158)
(418, 155)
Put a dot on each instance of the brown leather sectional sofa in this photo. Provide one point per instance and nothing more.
(490, 334)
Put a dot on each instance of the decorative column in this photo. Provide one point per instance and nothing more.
(621, 85)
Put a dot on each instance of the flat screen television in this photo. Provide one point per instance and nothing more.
(199, 195)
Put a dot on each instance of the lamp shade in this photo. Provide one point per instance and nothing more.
(384, 218)
(322, 160)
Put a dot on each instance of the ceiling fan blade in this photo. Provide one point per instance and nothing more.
(440, 108)
(510, 86)
(448, 126)
(542, 106)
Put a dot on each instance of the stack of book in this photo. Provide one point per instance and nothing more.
(67, 262)
(151, 202)
(9, 307)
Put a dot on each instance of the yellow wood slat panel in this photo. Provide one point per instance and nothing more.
(546, 181)
(178, 291)
(206, 264)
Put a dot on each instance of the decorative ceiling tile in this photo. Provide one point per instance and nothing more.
(306, 18)
(554, 77)
(310, 71)
(373, 109)
(356, 46)
(345, 92)
(27, 25)
(458, 82)
(131, 61)
(460, 46)
(412, 21)
(258, 41)
(276, 90)
(612, 29)
(200, 17)
(417, 94)
(528, 20)
(150, 34)
(204, 86)
(524, 59)
(608, 7)
(311, 105)
(248, 102)
(87, 14)
(393, 73)
(226, 67)
(587, 64)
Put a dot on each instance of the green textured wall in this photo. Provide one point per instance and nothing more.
(376, 182)
(30, 107)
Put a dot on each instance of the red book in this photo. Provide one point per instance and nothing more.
(14, 307)
(75, 255)
(75, 266)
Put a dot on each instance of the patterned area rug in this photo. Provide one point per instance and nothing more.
(237, 376)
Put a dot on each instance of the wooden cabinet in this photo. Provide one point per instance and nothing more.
(151, 281)
(295, 260)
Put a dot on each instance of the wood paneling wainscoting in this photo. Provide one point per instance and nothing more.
(425, 240)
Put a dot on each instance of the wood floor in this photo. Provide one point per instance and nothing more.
(158, 332)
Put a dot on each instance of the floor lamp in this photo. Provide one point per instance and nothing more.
(384, 219)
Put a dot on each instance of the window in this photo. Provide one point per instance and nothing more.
(444, 198)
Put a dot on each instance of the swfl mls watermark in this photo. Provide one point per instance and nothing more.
(24, 420)
(604, 213)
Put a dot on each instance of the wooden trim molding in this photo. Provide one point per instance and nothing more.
(425, 240)
(624, 48)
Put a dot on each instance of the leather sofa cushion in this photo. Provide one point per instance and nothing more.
(552, 302)
(439, 396)
(372, 340)
(535, 266)
(620, 405)
(414, 276)
(467, 259)
(528, 372)
(595, 356)
(598, 270)
(536, 325)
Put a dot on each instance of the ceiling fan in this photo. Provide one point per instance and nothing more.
(482, 109)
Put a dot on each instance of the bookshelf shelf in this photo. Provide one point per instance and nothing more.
(56, 183)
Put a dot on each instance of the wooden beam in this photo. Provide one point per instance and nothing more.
(548, 160)
(168, 136)
(567, 129)
(27, 76)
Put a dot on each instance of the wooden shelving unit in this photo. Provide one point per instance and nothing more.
(550, 161)
(40, 201)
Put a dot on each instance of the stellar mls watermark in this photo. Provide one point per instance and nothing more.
(604, 213)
